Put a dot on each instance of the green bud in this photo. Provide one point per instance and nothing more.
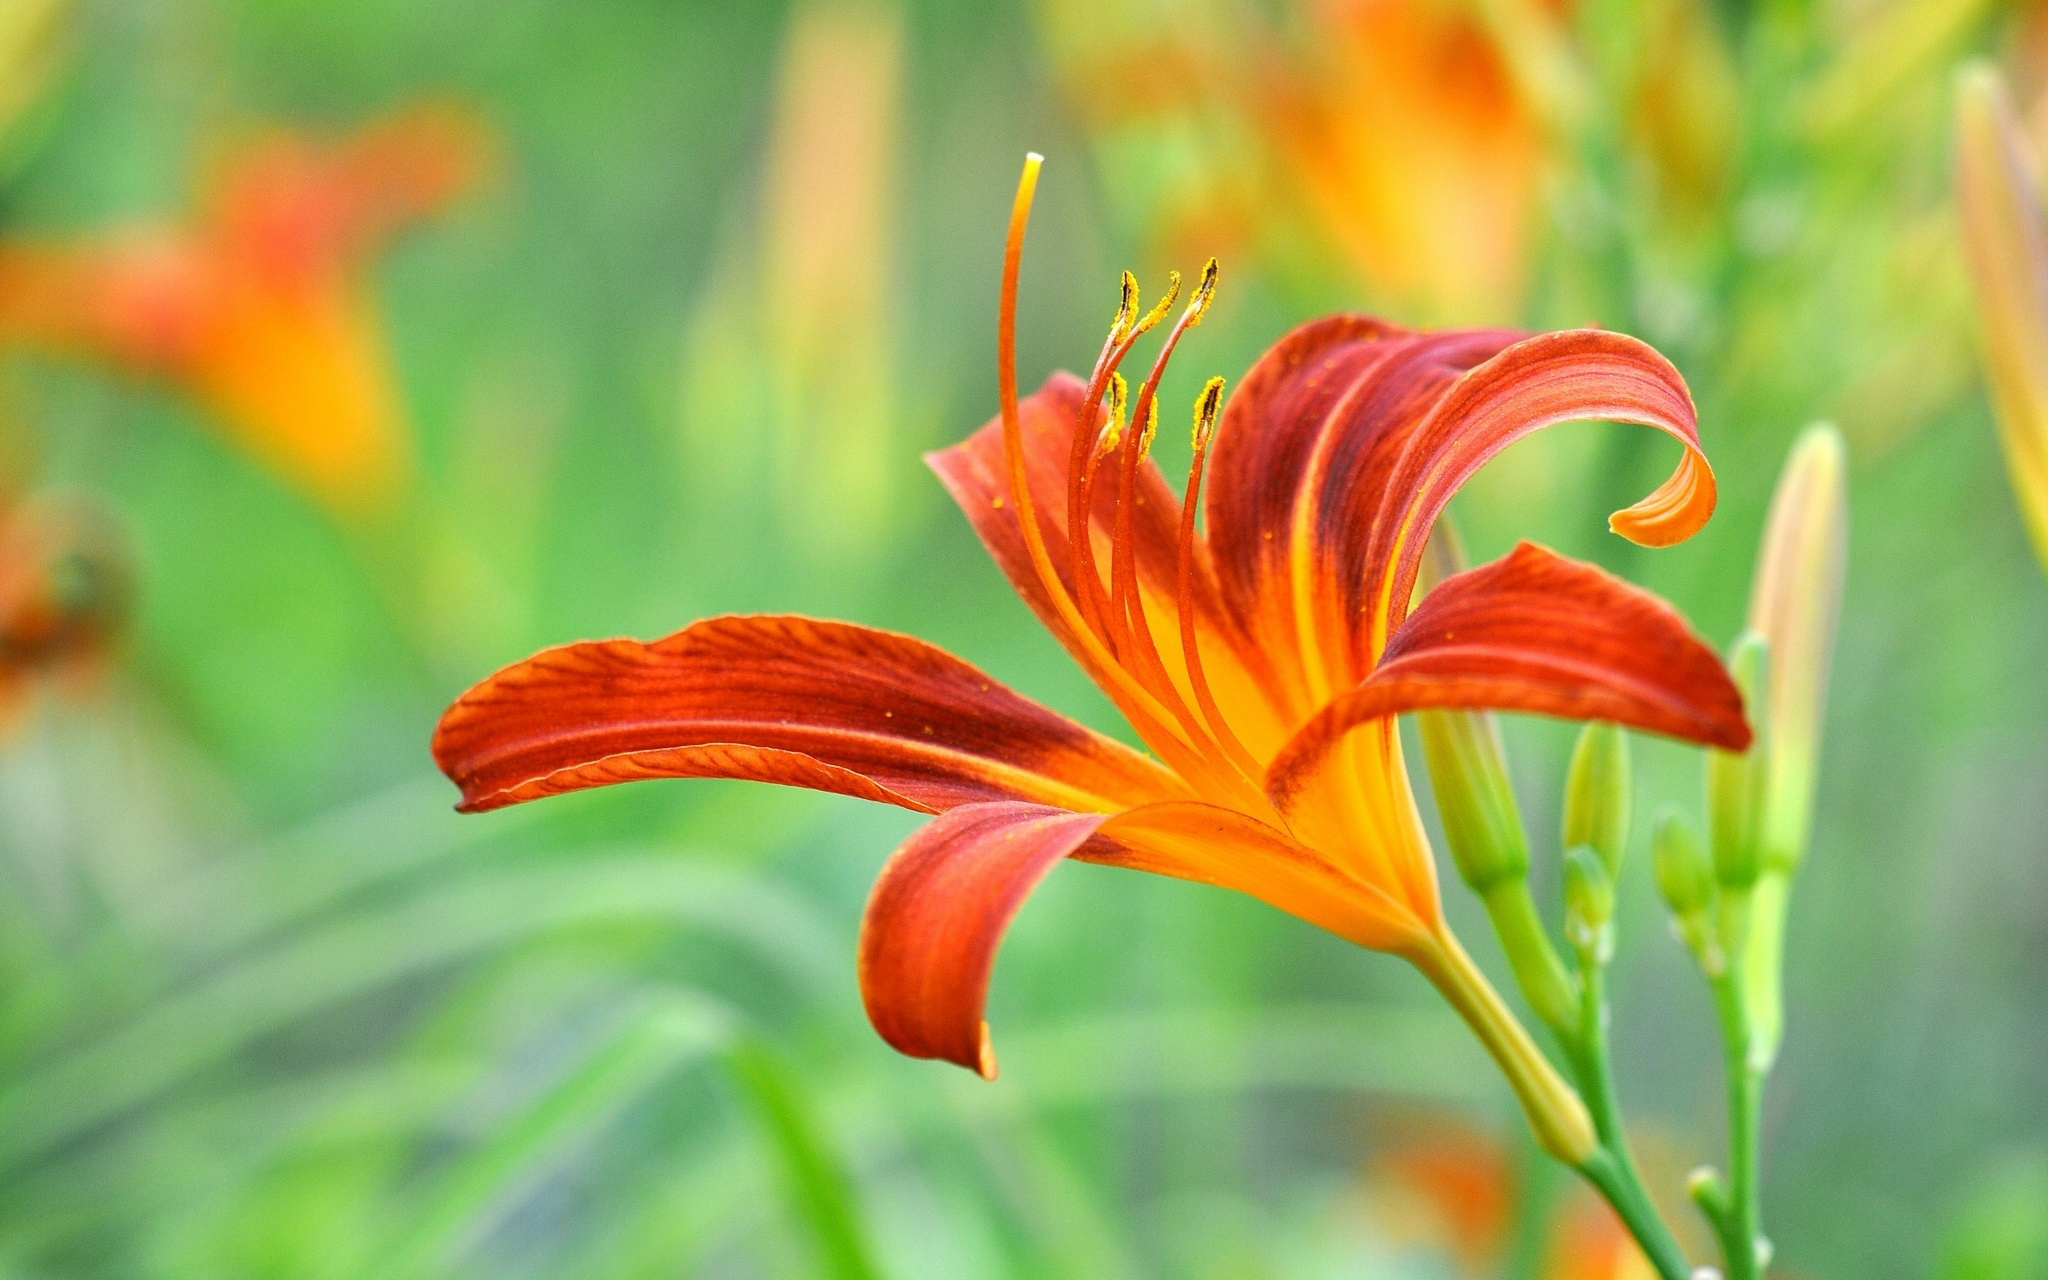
(1685, 875)
(1707, 1190)
(1685, 878)
(1596, 795)
(1588, 904)
(1482, 824)
(1737, 782)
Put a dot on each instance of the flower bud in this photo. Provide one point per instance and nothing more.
(1588, 904)
(1685, 875)
(1482, 824)
(1596, 795)
(1793, 605)
(1467, 768)
(1685, 878)
(1998, 190)
(1736, 781)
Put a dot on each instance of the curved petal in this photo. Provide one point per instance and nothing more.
(1302, 457)
(937, 914)
(939, 910)
(1534, 631)
(824, 705)
(1552, 378)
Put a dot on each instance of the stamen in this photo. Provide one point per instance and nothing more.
(1130, 630)
(1146, 408)
(1208, 406)
(1119, 401)
(1080, 459)
(1126, 309)
(1138, 703)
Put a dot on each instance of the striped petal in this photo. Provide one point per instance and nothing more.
(1552, 378)
(938, 913)
(1535, 632)
(1301, 459)
(823, 705)
(940, 908)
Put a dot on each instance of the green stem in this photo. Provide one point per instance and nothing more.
(1546, 984)
(1612, 1168)
(1740, 1223)
(1554, 1110)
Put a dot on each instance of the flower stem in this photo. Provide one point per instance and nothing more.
(1554, 1110)
(1738, 1220)
(1612, 1168)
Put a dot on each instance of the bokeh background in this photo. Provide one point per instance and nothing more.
(705, 281)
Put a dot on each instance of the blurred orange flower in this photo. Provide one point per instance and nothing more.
(1414, 149)
(1452, 1187)
(1405, 135)
(258, 307)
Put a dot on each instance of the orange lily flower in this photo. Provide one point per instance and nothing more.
(1262, 660)
(1415, 148)
(259, 309)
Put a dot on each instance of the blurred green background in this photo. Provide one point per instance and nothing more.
(268, 1008)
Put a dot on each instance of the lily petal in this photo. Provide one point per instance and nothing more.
(823, 705)
(939, 910)
(938, 913)
(1302, 458)
(1536, 632)
(1542, 381)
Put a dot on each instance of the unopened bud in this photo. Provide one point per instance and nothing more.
(1685, 878)
(1685, 875)
(1737, 781)
(1482, 824)
(1596, 795)
(1793, 605)
(1707, 1190)
(1588, 904)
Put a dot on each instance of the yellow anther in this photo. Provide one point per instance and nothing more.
(1126, 309)
(1119, 398)
(1164, 305)
(1204, 292)
(1151, 428)
(1208, 406)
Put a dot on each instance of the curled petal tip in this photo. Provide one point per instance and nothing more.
(1678, 508)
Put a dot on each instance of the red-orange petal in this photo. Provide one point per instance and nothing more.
(1302, 459)
(1552, 378)
(823, 705)
(938, 913)
(1537, 632)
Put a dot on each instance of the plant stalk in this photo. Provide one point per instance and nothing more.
(1612, 1168)
(1739, 1223)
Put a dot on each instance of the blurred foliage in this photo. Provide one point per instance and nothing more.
(267, 1009)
